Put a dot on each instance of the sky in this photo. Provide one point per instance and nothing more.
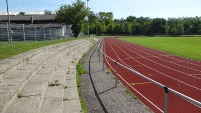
(120, 8)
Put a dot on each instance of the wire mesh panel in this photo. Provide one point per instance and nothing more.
(33, 32)
(3, 32)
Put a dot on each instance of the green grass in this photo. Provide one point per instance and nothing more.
(80, 71)
(16, 48)
(189, 47)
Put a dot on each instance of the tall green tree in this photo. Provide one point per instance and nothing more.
(158, 26)
(73, 15)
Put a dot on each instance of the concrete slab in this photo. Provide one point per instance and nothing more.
(71, 93)
(70, 77)
(62, 68)
(34, 88)
(72, 70)
(46, 70)
(54, 92)
(71, 83)
(25, 105)
(52, 105)
(72, 106)
(60, 80)
(11, 82)
(58, 75)
(3, 100)
(6, 89)
(3, 67)
(19, 74)
(38, 78)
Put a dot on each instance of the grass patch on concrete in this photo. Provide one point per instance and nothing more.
(189, 47)
(80, 71)
(16, 48)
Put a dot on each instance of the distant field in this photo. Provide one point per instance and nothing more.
(189, 47)
(7, 51)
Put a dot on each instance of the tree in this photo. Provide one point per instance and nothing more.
(158, 26)
(175, 26)
(127, 28)
(73, 14)
(21, 13)
(48, 12)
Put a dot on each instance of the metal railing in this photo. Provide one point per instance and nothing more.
(166, 88)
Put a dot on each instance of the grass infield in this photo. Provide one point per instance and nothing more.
(189, 47)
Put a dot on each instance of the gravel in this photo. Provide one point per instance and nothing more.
(100, 93)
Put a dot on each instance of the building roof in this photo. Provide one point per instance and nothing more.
(10, 13)
(28, 17)
(46, 17)
(54, 25)
(34, 13)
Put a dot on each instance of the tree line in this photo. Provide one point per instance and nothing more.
(103, 23)
(78, 15)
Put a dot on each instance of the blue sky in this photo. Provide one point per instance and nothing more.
(120, 8)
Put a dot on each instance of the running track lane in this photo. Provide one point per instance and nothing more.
(180, 74)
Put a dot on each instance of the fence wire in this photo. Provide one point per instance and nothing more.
(33, 32)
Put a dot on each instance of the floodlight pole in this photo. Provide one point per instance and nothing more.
(9, 40)
(88, 17)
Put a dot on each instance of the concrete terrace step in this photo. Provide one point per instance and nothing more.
(9, 65)
(32, 78)
(14, 82)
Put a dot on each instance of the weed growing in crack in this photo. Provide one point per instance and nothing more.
(26, 60)
(51, 84)
(85, 54)
(65, 87)
(109, 71)
(20, 95)
(54, 84)
(68, 72)
(65, 99)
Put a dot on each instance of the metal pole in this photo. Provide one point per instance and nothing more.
(44, 33)
(8, 32)
(35, 34)
(24, 33)
(9, 41)
(103, 61)
(99, 53)
(51, 33)
(88, 17)
(116, 73)
(166, 100)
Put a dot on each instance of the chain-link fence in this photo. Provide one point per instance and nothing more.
(33, 32)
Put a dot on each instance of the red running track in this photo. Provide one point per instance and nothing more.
(180, 74)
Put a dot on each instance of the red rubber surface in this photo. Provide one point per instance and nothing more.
(180, 74)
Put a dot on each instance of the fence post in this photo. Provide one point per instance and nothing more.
(50, 33)
(35, 34)
(166, 100)
(8, 32)
(103, 61)
(24, 33)
(99, 53)
(116, 72)
(44, 33)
